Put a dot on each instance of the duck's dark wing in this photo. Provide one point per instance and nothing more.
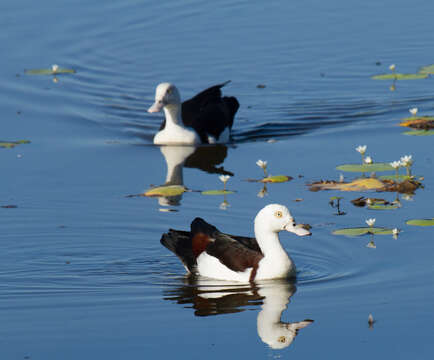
(231, 252)
(209, 113)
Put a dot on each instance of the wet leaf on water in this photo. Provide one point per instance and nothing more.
(336, 198)
(49, 71)
(170, 190)
(11, 144)
(362, 201)
(357, 231)
(276, 179)
(365, 168)
(418, 122)
(217, 192)
(404, 187)
(421, 222)
(382, 207)
(356, 185)
(419, 132)
(397, 76)
(429, 69)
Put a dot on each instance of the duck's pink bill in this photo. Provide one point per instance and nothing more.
(298, 230)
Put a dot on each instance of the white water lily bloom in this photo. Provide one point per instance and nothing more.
(395, 231)
(54, 67)
(224, 178)
(406, 160)
(395, 164)
(361, 149)
(261, 163)
(370, 222)
(369, 201)
(413, 111)
(368, 160)
(392, 67)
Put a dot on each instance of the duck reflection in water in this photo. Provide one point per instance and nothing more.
(214, 297)
(205, 158)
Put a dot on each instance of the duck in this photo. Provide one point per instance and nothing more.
(207, 252)
(207, 118)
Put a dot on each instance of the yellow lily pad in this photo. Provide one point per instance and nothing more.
(362, 231)
(170, 190)
(400, 76)
(217, 192)
(429, 69)
(276, 179)
(11, 144)
(356, 185)
(365, 168)
(49, 71)
(421, 222)
(419, 132)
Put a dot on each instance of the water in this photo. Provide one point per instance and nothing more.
(82, 271)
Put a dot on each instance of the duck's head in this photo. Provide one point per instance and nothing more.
(275, 218)
(165, 94)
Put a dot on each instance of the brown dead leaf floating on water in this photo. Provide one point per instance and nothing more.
(419, 122)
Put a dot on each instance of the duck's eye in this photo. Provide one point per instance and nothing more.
(278, 214)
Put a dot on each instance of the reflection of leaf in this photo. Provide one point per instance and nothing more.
(419, 132)
(421, 222)
(399, 76)
(170, 190)
(217, 192)
(418, 122)
(356, 185)
(375, 167)
(49, 71)
(11, 144)
(276, 179)
(429, 69)
(362, 231)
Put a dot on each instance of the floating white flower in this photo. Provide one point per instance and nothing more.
(395, 231)
(392, 67)
(361, 149)
(406, 160)
(224, 178)
(262, 164)
(395, 164)
(368, 160)
(413, 111)
(54, 67)
(369, 201)
(370, 222)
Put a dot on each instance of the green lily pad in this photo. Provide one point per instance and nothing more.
(362, 231)
(421, 222)
(419, 132)
(394, 177)
(336, 198)
(382, 207)
(170, 190)
(11, 144)
(429, 69)
(400, 76)
(217, 192)
(49, 71)
(276, 179)
(375, 167)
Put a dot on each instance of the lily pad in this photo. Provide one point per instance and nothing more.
(365, 168)
(400, 76)
(170, 190)
(382, 207)
(421, 222)
(429, 69)
(419, 132)
(276, 179)
(11, 144)
(49, 71)
(217, 192)
(356, 185)
(362, 231)
(418, 122)
(394, 177)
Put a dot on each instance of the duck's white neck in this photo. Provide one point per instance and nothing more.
(173, 115)
(268, 241)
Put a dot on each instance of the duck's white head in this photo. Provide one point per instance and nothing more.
(165, 94)
(275, 218)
